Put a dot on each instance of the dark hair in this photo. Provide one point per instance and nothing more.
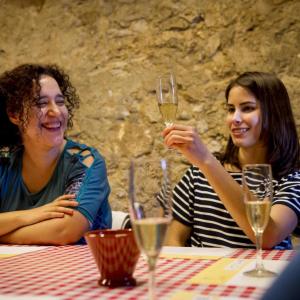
(19, 91)
(278, 125)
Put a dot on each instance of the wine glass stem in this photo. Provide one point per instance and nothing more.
(259, 261)
(151, 281)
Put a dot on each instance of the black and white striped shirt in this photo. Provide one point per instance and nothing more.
(196, 205)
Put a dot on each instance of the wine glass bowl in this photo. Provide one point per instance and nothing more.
(166, 92)
(150, 199)
(258, 191)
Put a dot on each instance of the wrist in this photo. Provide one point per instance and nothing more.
(21, 218)
(207, 161)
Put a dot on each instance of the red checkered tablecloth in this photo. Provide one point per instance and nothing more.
(69, 272)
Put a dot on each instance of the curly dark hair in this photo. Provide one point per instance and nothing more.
(19, 91)
(278, 124)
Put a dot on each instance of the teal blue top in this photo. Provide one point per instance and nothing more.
(90, 184)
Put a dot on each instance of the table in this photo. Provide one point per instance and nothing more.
(69, 272)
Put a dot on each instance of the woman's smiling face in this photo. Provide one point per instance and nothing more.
(48, 119)
(244, 117)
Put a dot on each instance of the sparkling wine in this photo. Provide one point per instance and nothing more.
(168, 112)
(150, 234)
(258, 213)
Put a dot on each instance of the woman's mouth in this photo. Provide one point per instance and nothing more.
(52, 126)
(239, 131)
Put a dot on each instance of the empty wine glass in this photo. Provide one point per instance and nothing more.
(166, 92)
(258, 191)
(150, 198)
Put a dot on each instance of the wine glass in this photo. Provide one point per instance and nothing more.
(150, 197)
(258, 191)
(166, 92)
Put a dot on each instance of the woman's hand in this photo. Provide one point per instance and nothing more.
(58, 208)
(186, 140)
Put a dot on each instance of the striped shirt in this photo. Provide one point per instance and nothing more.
(196, 204)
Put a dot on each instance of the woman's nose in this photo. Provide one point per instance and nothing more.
(53, 108)
(237, 117)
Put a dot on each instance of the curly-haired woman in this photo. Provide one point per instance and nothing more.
(52, 189)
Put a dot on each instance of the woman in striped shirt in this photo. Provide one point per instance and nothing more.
(208, 205)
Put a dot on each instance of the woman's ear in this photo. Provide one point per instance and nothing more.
(13, 118)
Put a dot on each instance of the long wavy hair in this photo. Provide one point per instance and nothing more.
(19, 92)
(278, 125)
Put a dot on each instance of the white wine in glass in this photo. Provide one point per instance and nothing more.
(166, 92)
(150, 233)
(258, 191)
(150, 198)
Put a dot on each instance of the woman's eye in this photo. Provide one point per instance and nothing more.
(230, 110)
(60, 101)
(248, 109)
(41, 104)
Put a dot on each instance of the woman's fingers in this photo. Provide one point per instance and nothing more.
(186, 140)
(57, 211)
(53, 215)
(174, 127)
(58, 208)
(62, 209)
(61, 205)
(66, 197)
(66, 203)
(65, 200)
(178, 136)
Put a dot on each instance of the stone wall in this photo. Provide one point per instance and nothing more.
(114, 50)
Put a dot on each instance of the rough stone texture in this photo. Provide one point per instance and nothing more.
(114, 50)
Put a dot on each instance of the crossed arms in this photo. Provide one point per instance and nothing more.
(56, 223)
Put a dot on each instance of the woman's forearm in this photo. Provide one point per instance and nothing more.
(59, 231)
(229, 192)
(10, 221)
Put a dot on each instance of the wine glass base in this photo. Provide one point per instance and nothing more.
(261, 273)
